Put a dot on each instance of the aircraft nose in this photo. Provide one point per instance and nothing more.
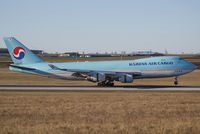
(193, 66)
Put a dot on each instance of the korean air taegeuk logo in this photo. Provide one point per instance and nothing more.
(19, 53)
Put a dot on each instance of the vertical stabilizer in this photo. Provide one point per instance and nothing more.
(19, 53)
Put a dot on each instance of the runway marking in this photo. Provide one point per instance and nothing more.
(93, 88)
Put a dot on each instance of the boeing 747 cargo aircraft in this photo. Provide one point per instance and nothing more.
(102, 72)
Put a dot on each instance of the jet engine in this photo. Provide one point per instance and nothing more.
(126, 78)
(98, 77)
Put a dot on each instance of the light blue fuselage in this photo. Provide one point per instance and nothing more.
(164, 66)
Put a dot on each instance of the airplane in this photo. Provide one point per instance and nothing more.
(102, 72)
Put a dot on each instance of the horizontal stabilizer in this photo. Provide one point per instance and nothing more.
(23, 68)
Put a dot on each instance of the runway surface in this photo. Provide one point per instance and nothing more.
(91, 88)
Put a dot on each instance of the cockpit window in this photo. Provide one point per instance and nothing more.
(180, 58)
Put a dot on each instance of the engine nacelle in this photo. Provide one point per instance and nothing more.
(98, 77)
(126, 78)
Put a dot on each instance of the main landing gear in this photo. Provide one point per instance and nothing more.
(176, 80)
(105, 84)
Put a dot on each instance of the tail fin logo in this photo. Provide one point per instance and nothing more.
(19, 53)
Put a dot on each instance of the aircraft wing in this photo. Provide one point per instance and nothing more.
(89, 72)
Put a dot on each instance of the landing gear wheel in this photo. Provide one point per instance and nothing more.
(105, 84)
(110, 84)
(101, 84)
(176, 80)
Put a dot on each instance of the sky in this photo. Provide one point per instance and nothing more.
(103, 25)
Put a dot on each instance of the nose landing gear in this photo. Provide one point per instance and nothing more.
(176, 80)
